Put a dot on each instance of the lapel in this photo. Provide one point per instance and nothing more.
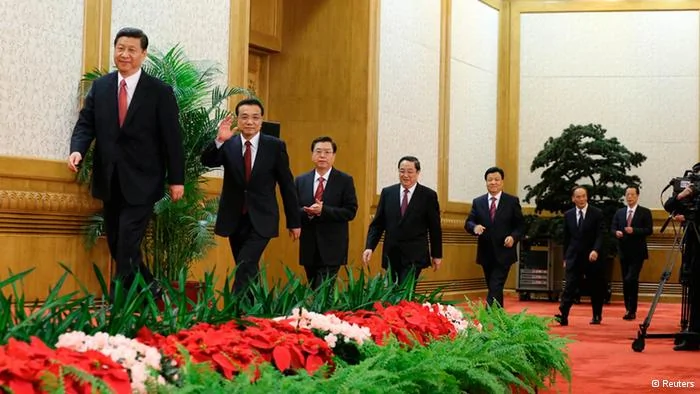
(237, 156)
(486, 205)
(331, 183)
(393, 203)
(308, 187)
(111, 100)
(138, 99)
(258, 155)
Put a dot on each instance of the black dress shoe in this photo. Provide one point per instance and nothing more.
(596, 320)
(687, 346)
(563, 320)
(629, 316)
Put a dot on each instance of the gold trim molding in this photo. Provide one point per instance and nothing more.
(31, 201)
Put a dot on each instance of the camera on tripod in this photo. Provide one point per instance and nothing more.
(690, 178)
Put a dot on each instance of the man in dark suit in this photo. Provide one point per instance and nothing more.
(631, 225)
(254, 164)
(497, 219)
(583, 255)
(327, 203)
(408, 215)
(133, 118)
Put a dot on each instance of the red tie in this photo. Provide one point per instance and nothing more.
(492, 209)
(247, 161)
(404, 202)
(123, 103)
(319, 190)
(248, 169)
(630, 213)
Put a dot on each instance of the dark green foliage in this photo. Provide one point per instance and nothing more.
(581, 155)
(135, 307)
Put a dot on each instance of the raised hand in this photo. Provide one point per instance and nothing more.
(225, 131)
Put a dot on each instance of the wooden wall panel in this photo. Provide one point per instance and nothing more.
(319, 86)
(259, 74)
(266, 24)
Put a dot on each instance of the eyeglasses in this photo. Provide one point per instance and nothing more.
(245, 118)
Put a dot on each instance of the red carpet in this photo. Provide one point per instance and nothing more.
(602, 359)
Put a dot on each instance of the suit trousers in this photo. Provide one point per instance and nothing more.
(125, 226)
(247, 246)
(630, 282)
(317, 272)
(401, 271)
(495, 275)
(595, 277)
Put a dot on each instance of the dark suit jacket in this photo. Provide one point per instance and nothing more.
(407, 236)
(579, 243)
(508, 221)
(146, 145)
(271, 168)
(633, 247)
(328, 232)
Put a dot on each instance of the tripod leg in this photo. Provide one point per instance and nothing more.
(639, 342)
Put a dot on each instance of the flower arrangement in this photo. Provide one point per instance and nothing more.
(329, 326)
(454, 315)
(231, 347)
(408, 321)
(142, 362)
(33, 367)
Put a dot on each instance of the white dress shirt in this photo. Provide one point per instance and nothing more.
(131, 82)
(410, 193)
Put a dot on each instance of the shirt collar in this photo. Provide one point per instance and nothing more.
(498, 196)
(325, 177)
(410, 189)
(253, 141)
(131, 80)
(632, 208)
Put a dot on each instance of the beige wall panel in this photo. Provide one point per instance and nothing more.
(636, 73)
(473, 90)
(409, 73)
(200, 27)
(42, 50)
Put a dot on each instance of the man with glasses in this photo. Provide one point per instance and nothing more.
(254, 164)
(327, 203)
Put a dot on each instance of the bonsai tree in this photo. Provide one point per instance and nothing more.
(581, 155)
(179, 233)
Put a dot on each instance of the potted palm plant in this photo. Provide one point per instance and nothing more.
(180, 232)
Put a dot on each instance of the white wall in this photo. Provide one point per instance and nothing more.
(42, 47)
(473, 97)
(200, 27)
(635, 73)
(409, 72)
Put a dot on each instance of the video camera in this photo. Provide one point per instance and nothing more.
(689, 178)
(691, 203)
